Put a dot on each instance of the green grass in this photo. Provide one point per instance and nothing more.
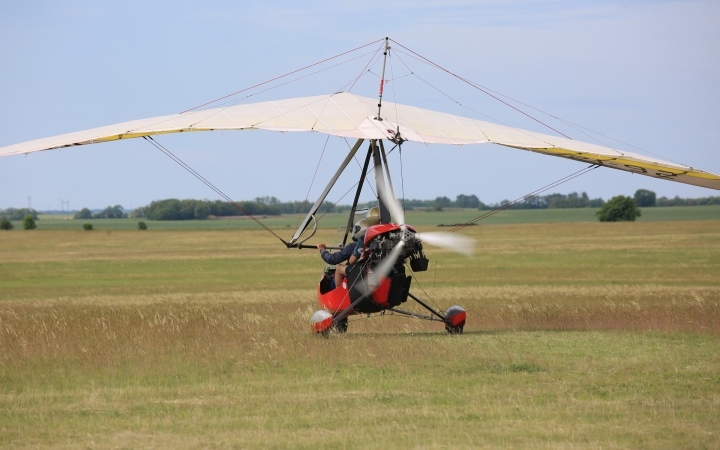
(580, 334)
(418, 218)
(508, 389)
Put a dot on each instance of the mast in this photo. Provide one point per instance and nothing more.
(382, 78)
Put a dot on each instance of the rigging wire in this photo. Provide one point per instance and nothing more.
(339, 200)
(326, 97)
(394, 90)
(362, 72)
(573, 125)
(482, 90)
(466, 108)
(360, 166)
(554, 184)
(182, 164)
(232, 102)
(402, 178)
(312, 182)
(281, 76)
(421, 286)
(225, 105)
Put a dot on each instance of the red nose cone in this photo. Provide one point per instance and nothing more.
(321, 321)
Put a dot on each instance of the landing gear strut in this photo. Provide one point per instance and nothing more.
(342, 326)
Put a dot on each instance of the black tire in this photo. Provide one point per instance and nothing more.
(454, 330)
(342, 326)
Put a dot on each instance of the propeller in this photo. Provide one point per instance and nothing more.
(460, 244)
(454, 242)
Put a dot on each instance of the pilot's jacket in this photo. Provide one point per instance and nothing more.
(341, 256)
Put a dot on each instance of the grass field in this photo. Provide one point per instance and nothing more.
(586, 334)
(418, 218)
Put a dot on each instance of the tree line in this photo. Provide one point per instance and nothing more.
(111, 212)
(188, 209)
(552, 201)
(174, 209)
(18, 213)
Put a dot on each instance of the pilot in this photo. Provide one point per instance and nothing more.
(350, 252)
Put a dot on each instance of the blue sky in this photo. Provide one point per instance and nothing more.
(642, 72)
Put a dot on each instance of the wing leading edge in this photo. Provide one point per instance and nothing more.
(352, 116)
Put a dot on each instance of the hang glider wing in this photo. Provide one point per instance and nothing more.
(352, 116)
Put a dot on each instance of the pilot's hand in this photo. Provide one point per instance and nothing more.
(321, 247)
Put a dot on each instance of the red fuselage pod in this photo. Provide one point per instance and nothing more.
(391, 291)
(334, 300)
(338, 299)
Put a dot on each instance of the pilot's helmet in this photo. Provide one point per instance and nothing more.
(373, 216)
(359, 229)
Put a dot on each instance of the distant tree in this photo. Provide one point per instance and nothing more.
(677, 201)
(18, 213)
(572, 200)
(87, 227)
(29, 223)
(138, 213)
(267, 200)
(83, 214)
(111, 212)
(6, 225)
(163, 210)
(142, 225)
(619, 209)
(446, 202)
(187, 209)
(202, 210)
(645, 198)
(466, 201)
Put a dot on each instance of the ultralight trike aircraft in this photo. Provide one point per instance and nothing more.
(391, 250)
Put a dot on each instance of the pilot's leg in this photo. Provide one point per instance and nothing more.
(339, 275)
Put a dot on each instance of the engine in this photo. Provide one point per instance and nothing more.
(381, 245)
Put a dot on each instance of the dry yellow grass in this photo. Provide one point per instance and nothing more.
(577, 336)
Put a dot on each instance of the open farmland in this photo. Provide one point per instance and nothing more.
(579, 335)
(418, 218)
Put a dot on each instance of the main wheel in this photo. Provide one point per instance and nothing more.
(342, 326)
(455, 316)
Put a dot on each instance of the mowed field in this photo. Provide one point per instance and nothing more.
(579, 335)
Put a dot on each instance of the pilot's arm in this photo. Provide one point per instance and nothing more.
(335, 258)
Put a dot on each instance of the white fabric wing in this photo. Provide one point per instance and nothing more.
(352, 116)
